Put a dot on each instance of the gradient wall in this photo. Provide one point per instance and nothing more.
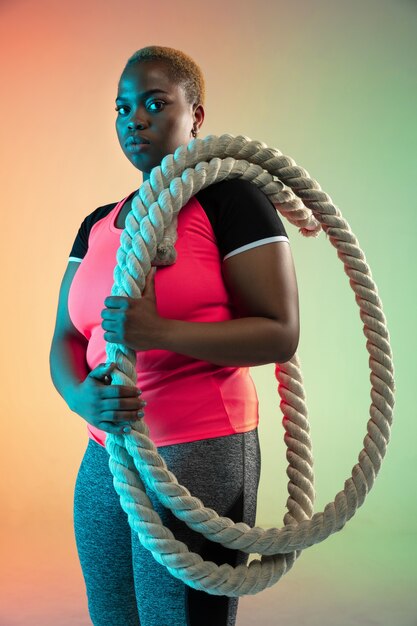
(331, 84)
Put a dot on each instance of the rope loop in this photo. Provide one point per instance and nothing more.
(149, 239)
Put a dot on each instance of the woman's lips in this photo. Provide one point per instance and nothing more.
(137, 147)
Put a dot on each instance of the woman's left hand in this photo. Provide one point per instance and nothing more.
(133, 322)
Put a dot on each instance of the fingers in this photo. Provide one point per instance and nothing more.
(102, 370)
(117, 413)
(119, 404)
(123, 404)
(115, 429)
(102, 373)
(116, 422)
(149, 289)
(124, 417)
(119, 391)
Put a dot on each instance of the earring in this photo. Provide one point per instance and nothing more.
(194, 132)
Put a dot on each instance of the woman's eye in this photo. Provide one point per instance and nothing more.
(157, 102)
(122, 109)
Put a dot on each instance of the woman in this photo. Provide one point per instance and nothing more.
(230, 301)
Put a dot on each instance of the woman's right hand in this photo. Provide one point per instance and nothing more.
(108, 407)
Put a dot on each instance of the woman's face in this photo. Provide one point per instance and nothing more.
(163, 118)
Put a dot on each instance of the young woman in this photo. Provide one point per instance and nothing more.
(230, 301)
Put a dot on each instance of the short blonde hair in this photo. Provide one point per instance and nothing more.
(182, 69)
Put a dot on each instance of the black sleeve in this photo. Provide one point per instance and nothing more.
(241, 215)
(80, 245)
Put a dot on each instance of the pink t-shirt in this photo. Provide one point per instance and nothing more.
(187, 399)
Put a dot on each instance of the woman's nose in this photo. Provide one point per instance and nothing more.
(136, 124)
(137, 120)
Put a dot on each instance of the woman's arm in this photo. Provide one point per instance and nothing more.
(108, 407)
(68, 365)
(263, 285)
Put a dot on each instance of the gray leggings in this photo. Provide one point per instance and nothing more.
(125, 585)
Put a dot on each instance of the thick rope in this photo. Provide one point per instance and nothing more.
(148, 238)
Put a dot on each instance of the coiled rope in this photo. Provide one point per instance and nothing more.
(148, 238)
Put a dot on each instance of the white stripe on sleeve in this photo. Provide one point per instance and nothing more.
(255, 244)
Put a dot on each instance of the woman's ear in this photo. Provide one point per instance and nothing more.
(198, 115)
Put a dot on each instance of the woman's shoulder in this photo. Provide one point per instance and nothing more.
(240, 215)
(100, 212)
(236, 199)
(80, 244)
(228, 187)
(95, 216)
